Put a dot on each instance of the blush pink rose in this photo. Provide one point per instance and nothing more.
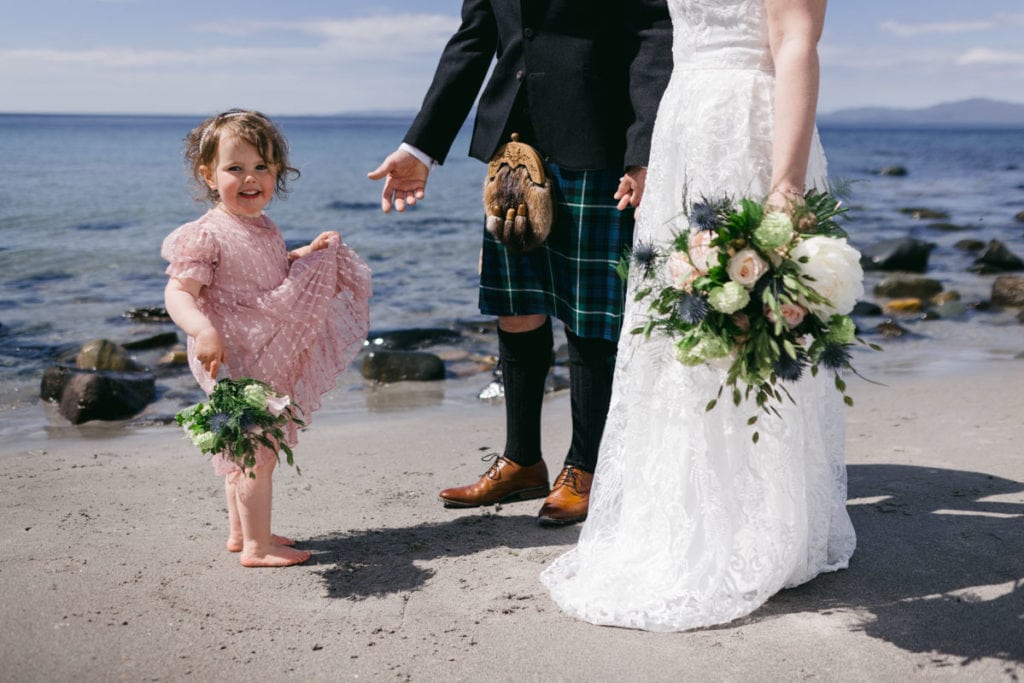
(703, 256)
(681, 272)
(792, 314)
(746, 267)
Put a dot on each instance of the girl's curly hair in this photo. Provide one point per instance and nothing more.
(255, 128)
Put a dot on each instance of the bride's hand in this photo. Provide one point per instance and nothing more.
(631, 187)
(785, 199)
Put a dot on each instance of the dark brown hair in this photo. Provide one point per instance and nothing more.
(251, 126)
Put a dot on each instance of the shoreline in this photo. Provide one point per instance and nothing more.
(114, 566)
(928, 350)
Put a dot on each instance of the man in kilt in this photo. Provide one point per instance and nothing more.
(580, 81)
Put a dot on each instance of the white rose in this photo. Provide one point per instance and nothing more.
(277, 404)
(746, 267)
(837, 275)
(681, 272)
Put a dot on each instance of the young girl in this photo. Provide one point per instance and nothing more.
(251, 309)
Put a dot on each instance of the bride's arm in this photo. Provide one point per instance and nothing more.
(794, 28)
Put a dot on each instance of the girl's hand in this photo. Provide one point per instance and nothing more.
(324, 240)
(210, 350)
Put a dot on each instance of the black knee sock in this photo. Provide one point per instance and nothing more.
(525, 360)
(591, 367)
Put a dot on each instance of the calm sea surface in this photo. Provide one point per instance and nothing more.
(86, 201)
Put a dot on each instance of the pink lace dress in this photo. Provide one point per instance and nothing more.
(295, 325)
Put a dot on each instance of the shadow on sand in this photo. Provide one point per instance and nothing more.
(377, 562)
(939, 567)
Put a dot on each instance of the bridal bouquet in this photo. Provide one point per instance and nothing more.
(239, 416)
(762, 292)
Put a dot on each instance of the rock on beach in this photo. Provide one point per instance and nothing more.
(1008, 290)
(902, 254)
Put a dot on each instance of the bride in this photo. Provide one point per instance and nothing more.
(691, 523)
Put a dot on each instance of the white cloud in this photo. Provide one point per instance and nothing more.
(389, 41)
(100, 57)
(984, 55)
(904, 29)
(391, 36)
(908, 29)
(882, 58)
(291, 67)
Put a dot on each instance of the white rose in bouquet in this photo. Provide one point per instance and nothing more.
(836, 271)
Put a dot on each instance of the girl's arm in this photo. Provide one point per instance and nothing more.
(180, 300)
(321, 241)
(794, 28)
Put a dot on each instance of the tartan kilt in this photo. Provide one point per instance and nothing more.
(572, 275)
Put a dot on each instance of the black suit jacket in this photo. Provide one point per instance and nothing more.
(587, 75)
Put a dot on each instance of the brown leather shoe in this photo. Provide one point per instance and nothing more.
(569, 499)
(504, 482)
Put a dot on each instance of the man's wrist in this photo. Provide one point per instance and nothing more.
(423, 157)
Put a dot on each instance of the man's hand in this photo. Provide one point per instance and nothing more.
(631, 187)
(405, 180)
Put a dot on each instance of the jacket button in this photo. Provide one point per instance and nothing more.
(519, 75)
(528, 33)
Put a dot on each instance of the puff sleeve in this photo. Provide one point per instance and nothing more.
(192, 253)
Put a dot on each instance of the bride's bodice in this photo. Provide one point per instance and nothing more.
(720, 34)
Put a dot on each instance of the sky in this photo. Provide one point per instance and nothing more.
(342, 56)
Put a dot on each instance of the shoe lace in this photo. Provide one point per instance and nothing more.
(570, 477)
(492, 471)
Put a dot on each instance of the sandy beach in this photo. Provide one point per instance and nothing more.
(113, 565)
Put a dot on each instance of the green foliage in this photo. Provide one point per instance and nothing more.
(764, 348)
(239, 416)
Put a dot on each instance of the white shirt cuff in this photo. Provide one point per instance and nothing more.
(419, 154)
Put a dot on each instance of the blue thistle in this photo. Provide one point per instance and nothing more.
(218, 421)
(692, 309)
(835, 356)
(645, 255)
(707, 214)
(789, 369)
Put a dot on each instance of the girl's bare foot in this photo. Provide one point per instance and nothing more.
(276, 556)
(234, 543)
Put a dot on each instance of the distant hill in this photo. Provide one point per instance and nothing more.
(977, 112)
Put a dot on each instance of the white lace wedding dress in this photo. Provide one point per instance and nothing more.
(691, 524)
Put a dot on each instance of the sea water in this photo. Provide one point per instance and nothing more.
(86, 201)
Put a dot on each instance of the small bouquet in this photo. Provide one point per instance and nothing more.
(763, 292)
(240, 415)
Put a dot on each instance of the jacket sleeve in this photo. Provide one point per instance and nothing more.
(457, 81)
(649, 71)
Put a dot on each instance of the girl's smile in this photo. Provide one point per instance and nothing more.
(244, 181)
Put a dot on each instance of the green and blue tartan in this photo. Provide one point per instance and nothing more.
(572, 275)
